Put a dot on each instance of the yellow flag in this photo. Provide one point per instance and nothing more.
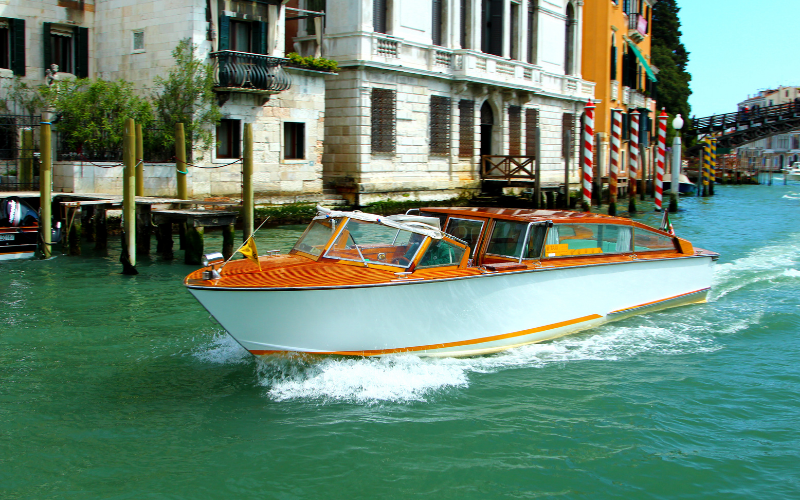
(249, 251)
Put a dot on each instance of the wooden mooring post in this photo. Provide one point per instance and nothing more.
(248, 208)
(128, 256)
(45, 190)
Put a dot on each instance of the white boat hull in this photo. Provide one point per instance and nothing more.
(16, 255)
(463, 316)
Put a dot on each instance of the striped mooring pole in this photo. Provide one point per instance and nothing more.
(712, 173)
(706, 164)
(616, 132)
(662, 148)
(633, 163)
(588, 155)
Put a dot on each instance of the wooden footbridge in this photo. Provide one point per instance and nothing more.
(736, 129)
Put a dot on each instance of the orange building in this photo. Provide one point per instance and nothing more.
(616, 56)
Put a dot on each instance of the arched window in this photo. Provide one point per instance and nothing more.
(569, 59)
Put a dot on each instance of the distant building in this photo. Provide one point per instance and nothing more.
(776, 152)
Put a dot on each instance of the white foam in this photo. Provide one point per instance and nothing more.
(763, 264)
(223, 350)
(409, 378)
(793, 273)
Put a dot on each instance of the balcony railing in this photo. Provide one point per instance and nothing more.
(637, 26)
(508, 167)
(245, 72)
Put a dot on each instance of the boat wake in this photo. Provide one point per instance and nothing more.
(406, 378)
(763, 264)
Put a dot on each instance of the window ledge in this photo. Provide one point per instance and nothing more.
(6, 73)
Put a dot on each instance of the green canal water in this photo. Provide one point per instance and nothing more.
(120, 387)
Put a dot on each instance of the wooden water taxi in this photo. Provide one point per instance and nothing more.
(449, 281)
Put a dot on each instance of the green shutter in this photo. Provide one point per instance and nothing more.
(18, 46)
(259, 34)
(82, 52)
(224, 32)
(47, 45)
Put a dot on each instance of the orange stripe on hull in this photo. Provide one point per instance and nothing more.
(659, 301)
(445, 345)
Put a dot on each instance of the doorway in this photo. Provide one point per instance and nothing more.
(487, 122)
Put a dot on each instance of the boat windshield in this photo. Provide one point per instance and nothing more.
(374, 243)
(317, 235)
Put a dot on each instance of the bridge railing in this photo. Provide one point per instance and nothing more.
(748, 117)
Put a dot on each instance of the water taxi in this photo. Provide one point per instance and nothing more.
(449, 281)
(19, 229)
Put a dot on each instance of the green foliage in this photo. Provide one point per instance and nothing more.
(292, 213)
(318, 63)
(389, 207)
(187, 96)
(671, 57)
(21, 95)
(92, 113)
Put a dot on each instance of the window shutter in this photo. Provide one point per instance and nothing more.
(82, 52)
(514, 130)
(259, 34)
(436, 31)
(17, 46)
(496, 27)
(531, 122)
(567, 121)
(613, 62)
(384, 104)
(466, 142)
(625, 129)
(533, 14)
(379, 16)
(440, 125)
(47, 46)
(224, 33)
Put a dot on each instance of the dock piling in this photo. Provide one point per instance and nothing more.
(128, 257)
(228, 237)
(139, 161)
(26, 161)
(180, 161)
(247, 183)
(45, 190)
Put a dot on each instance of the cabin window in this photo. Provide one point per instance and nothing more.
(508, 237)
(645, 241)
(565, 240)
(375, 244)
(316, 236)
(441, 253)
(468, 230)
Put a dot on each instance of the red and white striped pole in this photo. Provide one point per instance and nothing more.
(616, 132)
(662, 147)
(634, 155)
(588, 156)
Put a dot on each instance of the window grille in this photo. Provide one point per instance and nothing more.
(466, 128)
(440, 125)
(531, 122)
(383, 120)
(514, 130)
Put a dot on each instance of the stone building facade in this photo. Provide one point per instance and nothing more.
(133, 40)
(426, 87)
(773, 153)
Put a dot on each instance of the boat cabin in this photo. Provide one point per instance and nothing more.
(492, 239)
